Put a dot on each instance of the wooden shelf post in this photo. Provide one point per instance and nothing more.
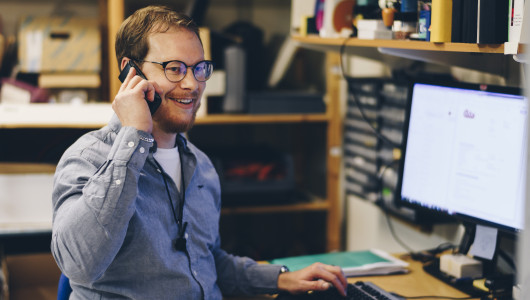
(334, 152)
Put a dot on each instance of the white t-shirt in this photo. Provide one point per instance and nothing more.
(170, 161)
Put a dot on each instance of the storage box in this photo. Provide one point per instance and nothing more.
(254, 175)
(32, 276)
(59, 44)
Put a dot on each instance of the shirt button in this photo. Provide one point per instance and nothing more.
(118, 181)
(195, 273)
(130, 144)
(186, 236)
(142, 150)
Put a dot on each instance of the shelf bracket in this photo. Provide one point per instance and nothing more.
(496, 63)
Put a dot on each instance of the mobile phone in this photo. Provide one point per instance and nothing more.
(153, 105)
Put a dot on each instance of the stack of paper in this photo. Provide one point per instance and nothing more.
(373, 29)
(353, 263)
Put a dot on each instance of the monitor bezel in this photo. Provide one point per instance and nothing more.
(511, 90)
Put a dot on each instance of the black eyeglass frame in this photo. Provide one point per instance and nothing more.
(165, 63)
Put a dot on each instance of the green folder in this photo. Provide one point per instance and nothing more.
(353, 263)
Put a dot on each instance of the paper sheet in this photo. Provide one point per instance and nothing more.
(485, 242)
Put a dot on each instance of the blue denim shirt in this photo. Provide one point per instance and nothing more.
(113, 226)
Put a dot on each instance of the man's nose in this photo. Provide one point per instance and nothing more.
(189, 81)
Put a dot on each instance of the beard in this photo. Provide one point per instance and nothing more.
(171, 122)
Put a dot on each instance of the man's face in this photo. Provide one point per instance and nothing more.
(180, 100)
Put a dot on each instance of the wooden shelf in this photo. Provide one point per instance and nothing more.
(255, 119)
(319, 205)
(97, 115)
(401, 44)
(26, 168)
(88, 116)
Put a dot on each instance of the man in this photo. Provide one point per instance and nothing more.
(136, 206)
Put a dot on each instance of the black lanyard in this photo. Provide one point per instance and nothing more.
(180, 241)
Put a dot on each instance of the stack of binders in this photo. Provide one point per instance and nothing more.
(480, 21)
(382, 102)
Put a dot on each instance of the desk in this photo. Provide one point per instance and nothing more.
(414, 283)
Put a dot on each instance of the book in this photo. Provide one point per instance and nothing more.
(515, 20)
(515, 25)
(374, 34)
(353, 263)
(441, 20)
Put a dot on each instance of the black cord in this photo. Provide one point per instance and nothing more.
(442, 247)
(173, 210)
(385, 211)
(435, 297)
(507, 258)
(359, 106)
(180, 242)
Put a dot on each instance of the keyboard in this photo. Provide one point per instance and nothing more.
(360, 290)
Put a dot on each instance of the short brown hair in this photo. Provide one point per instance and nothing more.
(131, 39)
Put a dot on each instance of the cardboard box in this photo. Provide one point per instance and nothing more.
(2, 48)
(32, 276)
(59, 44)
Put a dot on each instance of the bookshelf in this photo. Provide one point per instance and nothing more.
(465, 55)
(497, 59)
(53, 121)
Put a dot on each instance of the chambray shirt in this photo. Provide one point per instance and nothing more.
(113, 226)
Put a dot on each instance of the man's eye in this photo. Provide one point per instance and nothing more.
(173, 70)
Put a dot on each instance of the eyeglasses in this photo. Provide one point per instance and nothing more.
(176, 70)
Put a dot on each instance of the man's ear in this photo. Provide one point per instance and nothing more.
(124, 62)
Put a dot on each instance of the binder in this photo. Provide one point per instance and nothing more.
(457, 21)
(441, 21)
(492, 21)
(469, 21)
(353, 263)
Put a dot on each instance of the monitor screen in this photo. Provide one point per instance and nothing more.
(464, 153)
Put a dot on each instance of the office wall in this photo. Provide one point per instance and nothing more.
(367, 227)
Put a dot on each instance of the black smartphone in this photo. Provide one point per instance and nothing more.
(153, 105)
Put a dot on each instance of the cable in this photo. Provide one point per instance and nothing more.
(435, 297)
(351, 91)
(442, 247)
(507, 259)
(385, 211)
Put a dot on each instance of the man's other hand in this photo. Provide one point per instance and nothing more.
(316, 277)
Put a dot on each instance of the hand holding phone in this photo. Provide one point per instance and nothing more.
(153, 105)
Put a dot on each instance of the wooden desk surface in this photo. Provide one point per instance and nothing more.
(413, 284)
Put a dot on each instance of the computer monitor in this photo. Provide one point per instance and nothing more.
(464, 153)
